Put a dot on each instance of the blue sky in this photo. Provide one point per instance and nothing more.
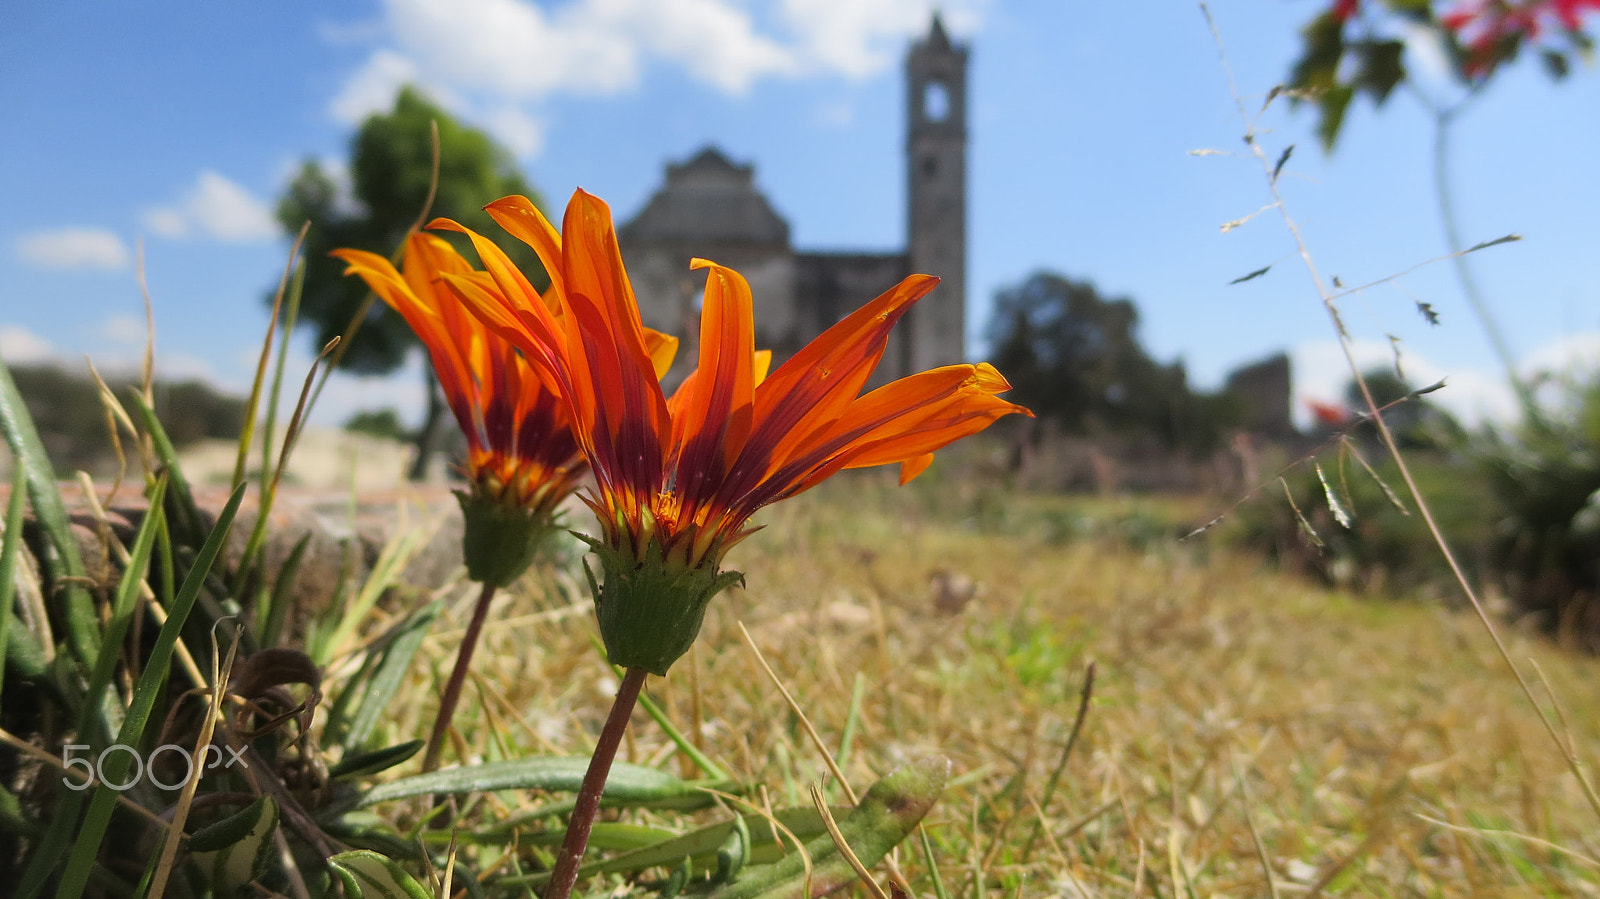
(178, 124)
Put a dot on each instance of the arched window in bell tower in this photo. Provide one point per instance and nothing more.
(935, 101)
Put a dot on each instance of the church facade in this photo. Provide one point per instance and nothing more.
(710, 206)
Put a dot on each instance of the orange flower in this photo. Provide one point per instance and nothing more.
(679, 480)
(522, 457)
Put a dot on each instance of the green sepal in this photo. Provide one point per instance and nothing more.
(650, 612)
(501, 538)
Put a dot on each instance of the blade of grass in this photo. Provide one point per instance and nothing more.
(271, 612)
(851, 719)
(158, 608)
(394, 660)
(182, 513)
(291, 318)
(111, 767)
(10, 546)
(67, 572)
(254, 402)
(1066, 752)
(258, 534)
(180, 812)
(391, 562)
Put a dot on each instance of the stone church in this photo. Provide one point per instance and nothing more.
(710, 206)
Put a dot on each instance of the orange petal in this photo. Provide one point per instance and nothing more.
(525, 222)
(611, 339)
(762, 365)
(899, 421)
(663, 348)
(910, 468)
(449, 361)
(713, 420)
(809, 392)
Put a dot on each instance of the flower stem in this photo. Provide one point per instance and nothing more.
(565, 873)
(458, 677)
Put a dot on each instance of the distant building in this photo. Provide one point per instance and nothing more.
(710, 207)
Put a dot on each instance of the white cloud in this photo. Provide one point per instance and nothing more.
(346, 394)
(863, 37)
(1472, 394)
(715, 40)
(1573, 354)
(495, 61)
(218, 208)
(373, 87)
(74, 248)
(123, 328)
(513, 48)
(838, 114)
(19, 345)
(184, 367)
(520, 132)
(167, 222)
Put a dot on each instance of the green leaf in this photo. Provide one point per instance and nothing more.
(887, 814)
(10, 548)
(633, 783)
(368, 875)
(733, 851)
(236, 850)
(1509, 238)
(1333, 103)
(1252, 276)
(394, 658)
(700, 845)
(362, 763)
(1283, 159)
(16, 819)
(1322, 45)
(1382, 66)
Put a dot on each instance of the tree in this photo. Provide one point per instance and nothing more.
(1074, 356)
(1415, 422)
(391, 167)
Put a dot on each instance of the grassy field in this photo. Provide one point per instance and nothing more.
(1249, 734)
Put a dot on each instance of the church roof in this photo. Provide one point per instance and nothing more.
(937, 37)
(707, 199)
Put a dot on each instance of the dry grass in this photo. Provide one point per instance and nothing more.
(1376, 747)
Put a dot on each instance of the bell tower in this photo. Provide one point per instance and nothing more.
(936, 197)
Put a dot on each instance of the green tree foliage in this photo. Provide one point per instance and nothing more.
(383, 423)
(1545, 476)
(1074, 356)
(1415, 422)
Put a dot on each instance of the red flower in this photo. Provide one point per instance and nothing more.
(1333, 415)
(1493, 30)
